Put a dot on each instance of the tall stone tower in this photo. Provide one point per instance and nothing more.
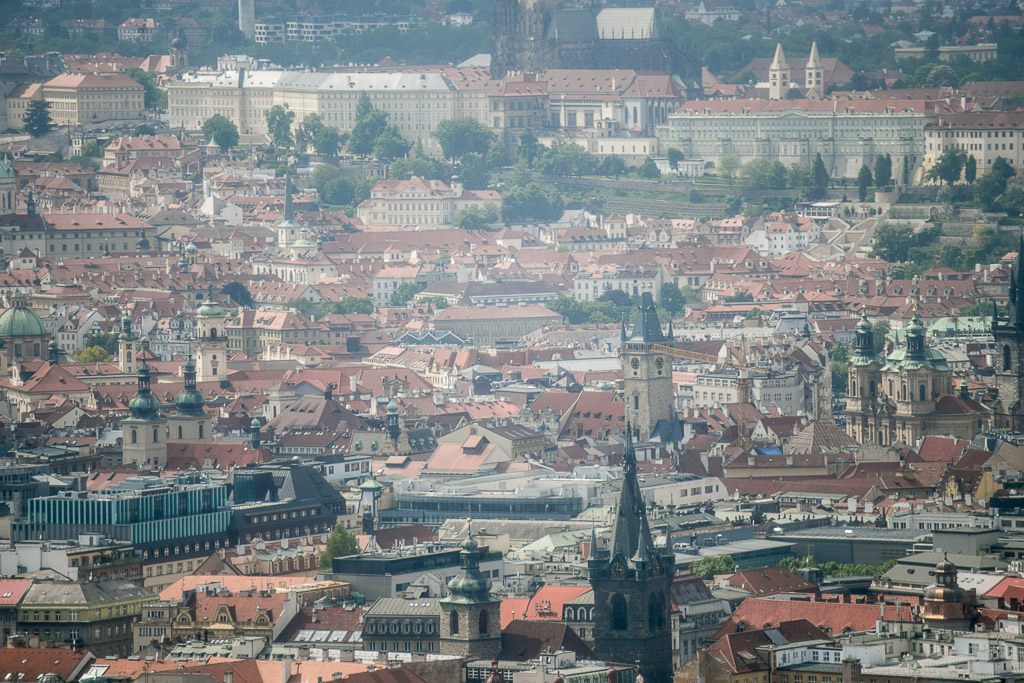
(1009, 339)
(127, 347)
(212, 344)
(814, 74)
(779, 75)
(143, 443)
(247, 18)
(631, 582)
(8, 190)
(864, 382)
(648, 387)
(191, 424)
(470, 615)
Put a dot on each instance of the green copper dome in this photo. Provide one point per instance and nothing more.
(190, 402)
(20, 321)
(191, 249)
(210, 309)
(145, 406)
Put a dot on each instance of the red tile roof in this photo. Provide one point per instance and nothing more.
(833, 616)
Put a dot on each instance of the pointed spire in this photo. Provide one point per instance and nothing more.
(593, 538)
(629, 454)
(623, 338)
(814, 61)
(671, 332)
(289, 212)
(1017, 286)
(779, 62)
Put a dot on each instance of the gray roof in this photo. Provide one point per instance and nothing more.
(400, 607)
(84, 594)
(573, 26)
(859, 534)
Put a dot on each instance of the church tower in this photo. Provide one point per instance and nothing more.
(814, 74)
(649, 394)
(632, 582)
(212, 347)
(8, 190)
(143, 441)
(1009, 339)
(779, 76)
(191, 424)
(864, 382)
(287, 228)
(127, 347)
(470, 615)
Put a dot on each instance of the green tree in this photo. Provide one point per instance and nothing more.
(840, 378)
(438, 302)
(459, 137)
(341, 543)
(92, 149)
(391, 145)
(306, 132)
(863, 182)
(238, 293)
(475, 218)
(363, 107)
(883, 170)
(339, 191)
(37, 118)
(529, 147)
(352, 304)
(566, 159)
(947, 167)
(762, 174)
(417, 165)
(364, 134)
(649, 170)
(404, 294)
(474, 172)
(144, 129)
(93, 354)
(819, 174)
(970, 169)
(674, 157)
(530, 202)
(879, 331)
(906, 170)
(106, 340)
(728, 165)
(279, 125)
(153, 96)
(709, 567)
(612, 165)
(497, 156)
(222, 131)
(1002, 168)
(328, 141)
(323, 174)
(942, 76)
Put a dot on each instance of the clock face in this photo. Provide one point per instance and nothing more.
(659, 362)
(635, 363)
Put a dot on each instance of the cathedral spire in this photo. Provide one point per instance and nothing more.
(779, 61)
(814, 61)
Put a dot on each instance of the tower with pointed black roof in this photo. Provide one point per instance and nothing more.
(647, 384)
(631, 582)
(1009, 339)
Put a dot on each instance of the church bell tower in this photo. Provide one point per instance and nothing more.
(632, 582)
(1009, 340)
(647, 383)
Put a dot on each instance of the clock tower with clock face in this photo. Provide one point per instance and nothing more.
(632, 583)
(648, 389)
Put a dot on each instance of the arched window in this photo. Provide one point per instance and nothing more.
(483, 622)
(620, 615)
(179, 432)
(636, 120)
(453, 622)
(1006, 357)
(200, 431)
(921, 393)
(872, 388)
(156, 435)
(135, 436)
(652, 612)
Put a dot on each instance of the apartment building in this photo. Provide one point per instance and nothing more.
(985, 135)
(847, 133)
(81, 99)
(75, 234)
(415, 100)
(140, 30)
(593, 281)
